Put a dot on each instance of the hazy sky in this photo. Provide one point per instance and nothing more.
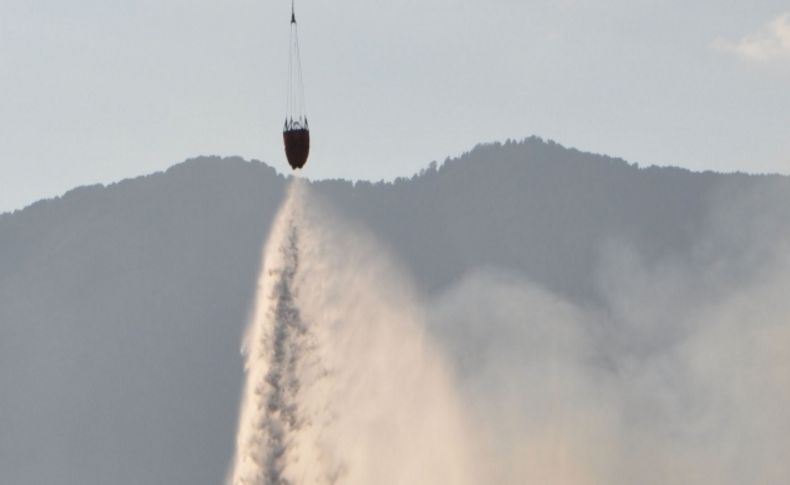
(98, 90)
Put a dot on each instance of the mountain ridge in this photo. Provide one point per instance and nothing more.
(449, 159)
(122, 306)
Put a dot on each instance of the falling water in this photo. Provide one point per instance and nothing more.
(342, 383)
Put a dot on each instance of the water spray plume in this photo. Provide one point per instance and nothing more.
(343, 384)
(681, 376)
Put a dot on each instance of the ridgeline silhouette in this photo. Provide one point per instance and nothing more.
(122, 307)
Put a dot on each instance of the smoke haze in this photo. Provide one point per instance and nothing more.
(681, 376)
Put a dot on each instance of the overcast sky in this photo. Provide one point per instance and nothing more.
(99, 90)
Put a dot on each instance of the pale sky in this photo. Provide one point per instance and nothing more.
(100, 90)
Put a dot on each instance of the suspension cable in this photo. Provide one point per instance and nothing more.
(295, 106)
